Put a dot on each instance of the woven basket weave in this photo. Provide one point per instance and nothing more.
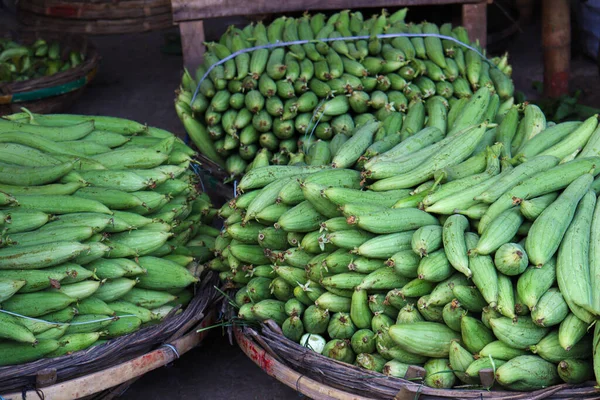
(357, 381)
(118, 350)
(96, 17)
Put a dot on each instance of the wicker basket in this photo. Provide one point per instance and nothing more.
(55, 93)
(98, 359)
(323, 378)
(97, 17)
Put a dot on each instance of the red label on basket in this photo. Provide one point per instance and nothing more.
(260, 357)
(255, 353)
(61, 11)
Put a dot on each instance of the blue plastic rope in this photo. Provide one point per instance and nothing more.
(313, 118)
(347, 38)
(197, 171)
(170, 346)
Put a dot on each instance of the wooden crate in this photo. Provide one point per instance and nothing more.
(556, 42)
(190, 16)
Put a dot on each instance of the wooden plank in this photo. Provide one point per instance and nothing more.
(309, 387)
(192, 43)
(556, 42)
(474, 19)
(186, 10)
(117, 391)
(110, 377)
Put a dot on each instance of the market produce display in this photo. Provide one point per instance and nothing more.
(102, 231)
(283, 105)
(470, 244)
(20, 62)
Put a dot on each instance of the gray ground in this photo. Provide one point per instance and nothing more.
(137, 81)
(215, 370)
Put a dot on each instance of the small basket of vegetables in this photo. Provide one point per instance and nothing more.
(44, 72)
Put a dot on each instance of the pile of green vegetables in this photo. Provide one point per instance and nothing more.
(273, 105)
(102, 229)
(20, 62)
(472, 243)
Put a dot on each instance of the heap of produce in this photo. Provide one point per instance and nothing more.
(102, 231)
(20, 62)
(283, 105)
(471, 244)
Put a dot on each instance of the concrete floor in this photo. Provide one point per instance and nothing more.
(214, 371)
(137, 81)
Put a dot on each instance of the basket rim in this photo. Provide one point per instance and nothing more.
(87, 10)
(121, 376)
(62, 82)
(270, 338)
(101, 26)
(96, 358)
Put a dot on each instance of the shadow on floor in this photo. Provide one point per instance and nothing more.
(216, 370)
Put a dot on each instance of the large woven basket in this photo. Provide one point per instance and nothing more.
(96, 17)
(323, 378)
(25, 377)
(55, 93)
